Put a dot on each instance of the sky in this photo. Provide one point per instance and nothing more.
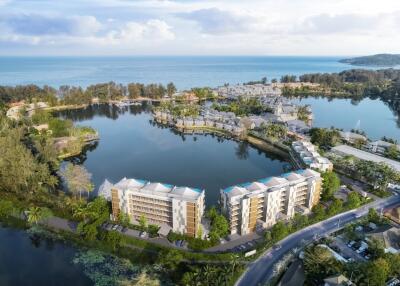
(199, 27)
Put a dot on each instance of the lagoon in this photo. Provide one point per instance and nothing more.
(24, 262)
(132, 145)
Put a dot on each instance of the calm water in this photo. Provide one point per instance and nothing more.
(372, 116)
(185, 72)
(24, 263)
(132, 146)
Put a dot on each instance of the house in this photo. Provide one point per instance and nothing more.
(298, 126)
(351, 137)
(307, 154)
(389, 236)
(294, 276)
(337, 280)
(380, 146)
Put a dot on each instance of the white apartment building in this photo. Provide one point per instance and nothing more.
(177, 208)
(307, 153)
(264, 202)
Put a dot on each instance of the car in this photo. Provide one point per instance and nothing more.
(368, 256)
(120, 228)
(143, 234)
(351, 243)
(114, 227)
(350, 259)
(277, 246)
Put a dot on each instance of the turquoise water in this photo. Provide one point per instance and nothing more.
(185, 72)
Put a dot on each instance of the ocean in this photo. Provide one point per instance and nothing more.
(185, 71)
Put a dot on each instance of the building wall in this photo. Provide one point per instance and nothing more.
(115, 203)
(244, 212)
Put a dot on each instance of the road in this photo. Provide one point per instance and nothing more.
(261, 271)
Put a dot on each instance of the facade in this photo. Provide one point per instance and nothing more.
(307, 154)
(262, 203)
(180, 208)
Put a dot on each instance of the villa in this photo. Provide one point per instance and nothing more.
(248, 91)
(179, 209)
(262, 203)
(305, 153)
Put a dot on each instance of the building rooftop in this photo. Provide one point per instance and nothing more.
(270, 183)
(363, 155)
(149, 188)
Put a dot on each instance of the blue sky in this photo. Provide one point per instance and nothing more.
(202, 27)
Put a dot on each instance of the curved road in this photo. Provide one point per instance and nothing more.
(261, 271)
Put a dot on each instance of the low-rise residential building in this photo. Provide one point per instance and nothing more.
(179, 208)
(352, 137)
(345, 150)
(307, 154)
(248, 90)
(264, 202)
(380, 147)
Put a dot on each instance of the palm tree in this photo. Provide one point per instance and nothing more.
(207, 272)
(81, 212)
(34, 215)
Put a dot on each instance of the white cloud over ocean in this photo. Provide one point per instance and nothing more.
(232, 27)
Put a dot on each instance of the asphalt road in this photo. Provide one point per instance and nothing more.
(261, 271)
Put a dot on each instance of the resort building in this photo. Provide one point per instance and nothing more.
(305, 154)
(380, 147)
(248, 90)
(178, 208)
(262, 203)
(345, 150)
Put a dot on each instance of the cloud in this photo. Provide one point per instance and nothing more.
(153, 29)
(39, 25)
(217, 21)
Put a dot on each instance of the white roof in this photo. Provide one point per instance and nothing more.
(269, 184)
(129, 183)
(158, 189)
(363, 155)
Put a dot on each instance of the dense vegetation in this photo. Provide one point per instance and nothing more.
(243, 107)
(319, 263)
(76, 95)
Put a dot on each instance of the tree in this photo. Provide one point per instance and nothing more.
(143, 222)
(373, 216)
(81, 212)
(279, 231)
(171, 89)
(335, 207)
(78, 179)
(392, 152)
(376, 248)
(123, 219)
(330, 184)
(318, 212)
(353, 200)
(377, 272)
(36, 214)
(171, 259)
(6, 208)
(325, 137)
(113, 239)
(300, 221)
(319, 263)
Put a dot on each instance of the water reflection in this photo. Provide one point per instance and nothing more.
(132, 144)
